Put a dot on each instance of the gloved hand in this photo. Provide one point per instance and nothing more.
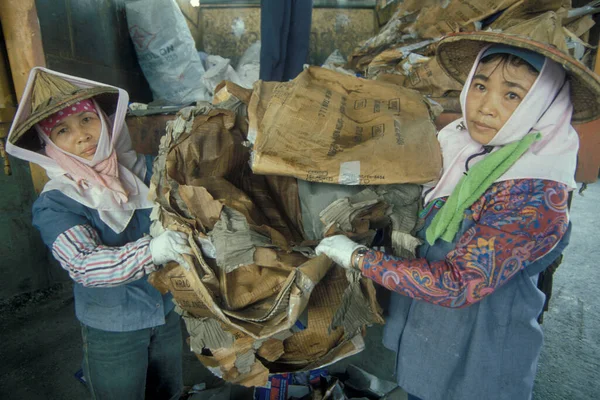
(339, 248)
(169, 246)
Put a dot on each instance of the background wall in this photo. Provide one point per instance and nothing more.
(24, 264)
(89, 38)
(229, 31)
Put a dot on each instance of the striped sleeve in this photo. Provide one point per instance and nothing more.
(92, 264)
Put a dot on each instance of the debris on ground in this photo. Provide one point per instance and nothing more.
(354, 384)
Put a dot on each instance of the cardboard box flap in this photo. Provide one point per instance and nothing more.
(329, 127)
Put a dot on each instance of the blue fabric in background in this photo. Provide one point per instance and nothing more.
(285, 35)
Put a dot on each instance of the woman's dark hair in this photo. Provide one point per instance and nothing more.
(508, 59)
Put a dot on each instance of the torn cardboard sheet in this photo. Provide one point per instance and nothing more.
(415, 21)
(524, 10)
(455, 15)
(251, 284)
(258, 292)
(343, 212)
(385, 62)
(214, 149)
(359, 212)
(354, 311)
(327, 127)
(405, 202)
(314, 197)
(236, 355)
(206, 332)
(277, 197)
(207, 165)
(271, 349)
(427, 77)
(581, 26)
(404, 244)
(245, 361)
(316, 342)
(399, 29)
(234, 241)
(233, 97)
(188, 293)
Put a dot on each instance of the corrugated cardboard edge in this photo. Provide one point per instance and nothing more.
(307, 276)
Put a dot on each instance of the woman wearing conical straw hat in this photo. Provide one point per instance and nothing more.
(94, 215)
(463, 314)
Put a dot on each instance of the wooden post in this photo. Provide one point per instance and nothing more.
(23, 40)
(8, 104)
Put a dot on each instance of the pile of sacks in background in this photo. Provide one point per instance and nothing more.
(166, 52)
(257, 300)
(403, 52)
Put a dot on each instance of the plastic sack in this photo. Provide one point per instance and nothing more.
(248, 68)
(218, 70)
(335, 59)
(166, 51)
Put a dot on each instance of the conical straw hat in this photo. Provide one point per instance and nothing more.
(457, 52)
(50, 94)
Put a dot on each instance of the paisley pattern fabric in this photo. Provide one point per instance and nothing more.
(515, 223)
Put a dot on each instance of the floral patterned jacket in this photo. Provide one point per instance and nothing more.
(516, 222)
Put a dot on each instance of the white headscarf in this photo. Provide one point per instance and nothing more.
(546, 109)
(132, 167)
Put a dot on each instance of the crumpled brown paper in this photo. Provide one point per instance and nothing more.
(204, 187)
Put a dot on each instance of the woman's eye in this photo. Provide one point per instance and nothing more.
(479, 87)
(513, 96)
(61, 131)
(88, 117)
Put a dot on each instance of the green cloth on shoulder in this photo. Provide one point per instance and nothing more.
(473, 185)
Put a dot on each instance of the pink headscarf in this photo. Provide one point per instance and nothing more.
(53, 120)
(105, 173)
(547, 109)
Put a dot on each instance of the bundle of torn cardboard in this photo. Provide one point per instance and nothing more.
(256, 180)
(403, 51)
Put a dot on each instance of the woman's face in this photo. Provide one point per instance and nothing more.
(496, 91)
(78, 134)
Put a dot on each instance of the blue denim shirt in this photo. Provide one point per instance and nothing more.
(136, 305)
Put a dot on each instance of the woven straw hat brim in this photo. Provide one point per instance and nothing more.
(105, 96)
(457, 52)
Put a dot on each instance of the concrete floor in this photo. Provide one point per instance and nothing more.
(41, 341)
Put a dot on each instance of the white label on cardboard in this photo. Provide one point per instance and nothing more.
(349, 173)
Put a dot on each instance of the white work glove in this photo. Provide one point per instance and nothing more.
(339, 248)
(169, 246)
